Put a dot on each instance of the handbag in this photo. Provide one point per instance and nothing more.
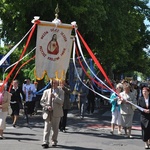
(45, 114)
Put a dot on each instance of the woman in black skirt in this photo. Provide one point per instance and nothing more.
(16, 102)
(144, 102)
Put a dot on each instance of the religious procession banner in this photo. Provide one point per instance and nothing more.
(53, 50)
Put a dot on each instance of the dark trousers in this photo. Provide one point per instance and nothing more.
(91, 105)
(30, 107)
(145, 133)
(63, 120)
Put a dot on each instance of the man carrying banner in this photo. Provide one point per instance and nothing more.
(52, 102)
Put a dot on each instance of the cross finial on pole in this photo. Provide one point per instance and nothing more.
(56, 12)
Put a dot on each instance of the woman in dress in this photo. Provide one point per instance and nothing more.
(4, 103)
(16, 101)
(126, 109)
(144, 102)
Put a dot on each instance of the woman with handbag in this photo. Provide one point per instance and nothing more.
(4, 103)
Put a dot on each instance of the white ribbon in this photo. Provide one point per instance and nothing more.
(80, 49)
(74, 47)
(138, 107)
(9, 53)
(17, 62)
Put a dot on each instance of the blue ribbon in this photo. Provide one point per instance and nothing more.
(41, 91)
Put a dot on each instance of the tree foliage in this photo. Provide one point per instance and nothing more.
(114, 29)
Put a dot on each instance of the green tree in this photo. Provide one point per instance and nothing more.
(114, 30)
(124, 35)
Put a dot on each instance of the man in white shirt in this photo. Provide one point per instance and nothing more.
(29, 89)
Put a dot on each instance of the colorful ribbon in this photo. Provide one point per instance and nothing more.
(95, 59)
(17, 62)
(19, 70)
(25, 48)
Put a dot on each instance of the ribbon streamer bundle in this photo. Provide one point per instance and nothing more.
(53, 52)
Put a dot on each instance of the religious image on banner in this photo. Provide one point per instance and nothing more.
(53, 46)
(53, 50)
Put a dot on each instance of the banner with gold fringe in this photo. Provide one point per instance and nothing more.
(53, 50)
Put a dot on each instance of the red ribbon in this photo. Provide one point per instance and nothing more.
(25, 48)
(19, 70)
(99, 84)
(95, 60)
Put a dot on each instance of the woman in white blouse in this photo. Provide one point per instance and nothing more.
(144, 102)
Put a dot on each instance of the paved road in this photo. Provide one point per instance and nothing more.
(91, 133)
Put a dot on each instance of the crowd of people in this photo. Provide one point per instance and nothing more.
(21, 98)
(124, 102)
(55, 102)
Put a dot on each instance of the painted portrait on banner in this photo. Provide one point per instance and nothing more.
(53, 46)
(53, 50)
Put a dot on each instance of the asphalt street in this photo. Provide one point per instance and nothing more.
(90, 133)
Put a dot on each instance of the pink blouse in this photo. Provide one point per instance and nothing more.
(1, 98)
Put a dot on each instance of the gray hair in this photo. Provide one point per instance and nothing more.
(119, 85)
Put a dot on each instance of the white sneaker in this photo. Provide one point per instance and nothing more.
(130, 136)
(146, 145)
(119, 132)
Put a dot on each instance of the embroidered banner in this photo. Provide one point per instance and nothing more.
(53, 50)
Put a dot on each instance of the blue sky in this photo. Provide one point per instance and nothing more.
(146, 21)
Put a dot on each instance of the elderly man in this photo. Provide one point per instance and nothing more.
(52, 102)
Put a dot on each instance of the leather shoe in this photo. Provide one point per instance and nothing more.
(14, 125)
(54, 144)
(45, 145)
(112, 132)
(146, 145)
(64, 131)
(1, 137)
